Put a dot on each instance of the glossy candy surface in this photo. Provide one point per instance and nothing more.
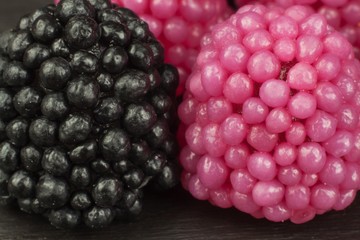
(343, 15)
(87, 109)
(270, 116)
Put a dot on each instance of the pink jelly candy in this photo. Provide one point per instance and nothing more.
(343, 15)
(270, 115)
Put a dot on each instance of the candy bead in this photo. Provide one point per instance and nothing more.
(268, 193)
(162, 8)
(238, 88)
(309, 179)
(207, 55)
(328, 66)
(274, 93)
(258, 40)
(297, 12)
(218, 109)
(191, 10)
(213, 77)
(242, 181)
(354, 154)
(351, 68)
(289, 175)
(352, 176)
(339, 144)
(234, 57)
(346, 85)
(138, 6)
(311, 157)
(273, 14)
(197, 189)
(196, 31)
(297, 197)
(356, 99)
(155, 25)
(278, 120)
(328, 97)
(314, 25)
(352, 8)
(346, 197)
(347, 117)
(283, 27)
(187, 111)
(233, 129)
(202, 114)
(243, 202)
(194, 137)
(303, 215)
(302, 105)
(212, 172)
(261, 139)
(333, 172)
(213, 142)
(309, 48)
(185, 179)
(188, 159)
(221, 197)
(263, 65)
(196, 87)
(302, 76)
(225, 34)
(324, 196)
(277, 213)
(236, 156)
(285, 49)
(254, 111)
(285, 154)
(332, 16)
(296, 134)
(250, 21)
(177, 54)
(337, 44)
(262, 166)
(320, 126)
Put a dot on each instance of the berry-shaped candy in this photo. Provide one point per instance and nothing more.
(179, 25)
(87, 114)
(270, 117)
(343, 15)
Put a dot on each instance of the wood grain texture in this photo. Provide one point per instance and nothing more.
(174, 215)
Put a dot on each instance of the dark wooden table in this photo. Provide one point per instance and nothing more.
(174, 215)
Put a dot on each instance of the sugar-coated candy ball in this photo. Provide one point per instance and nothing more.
(270, 115)
(87, 109)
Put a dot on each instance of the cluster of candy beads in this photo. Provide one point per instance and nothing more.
(179, 25)
(270, 116)
(343, 15)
